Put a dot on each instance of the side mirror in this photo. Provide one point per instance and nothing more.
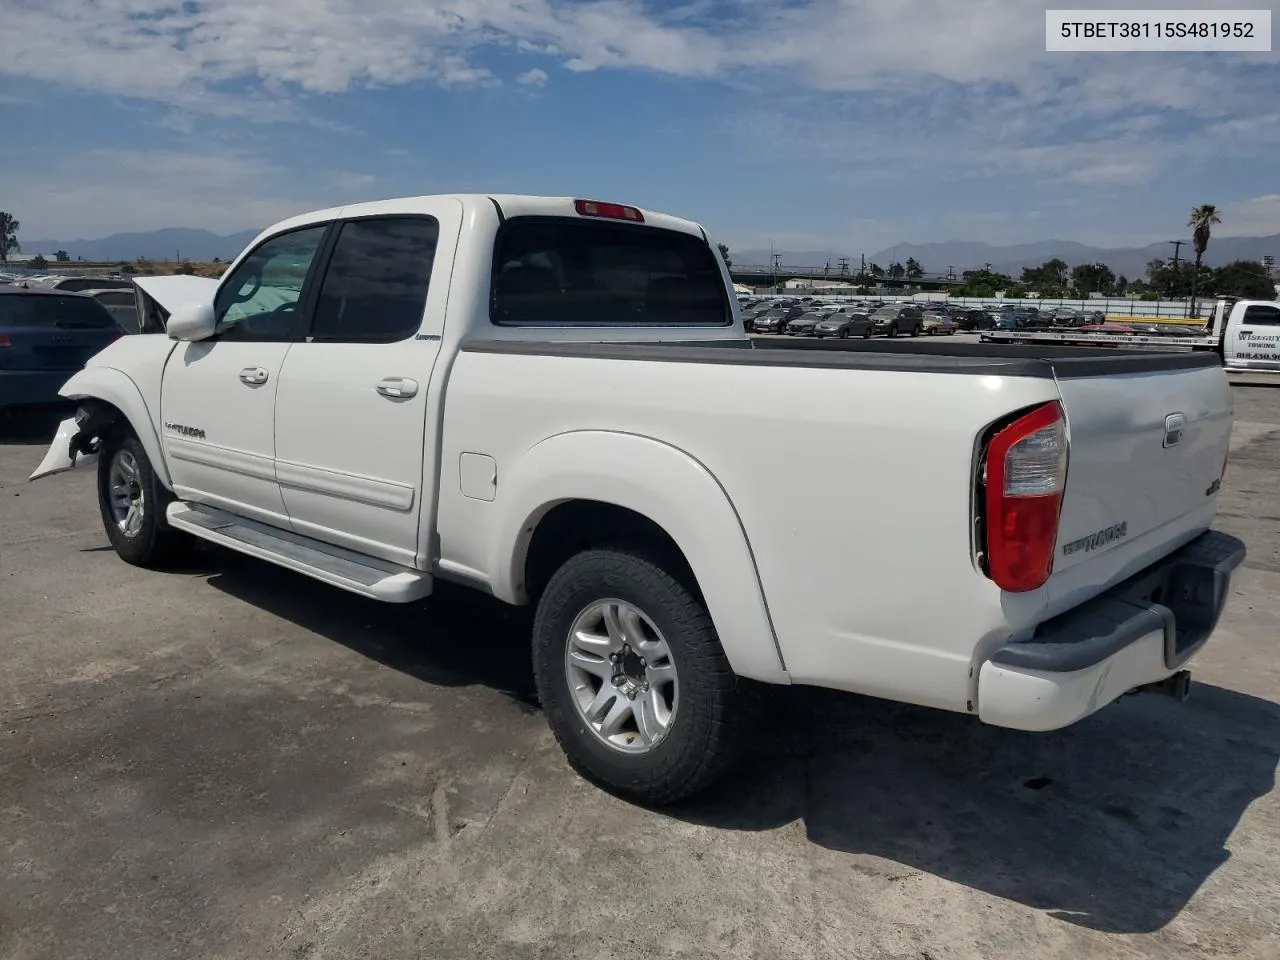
(192, 321)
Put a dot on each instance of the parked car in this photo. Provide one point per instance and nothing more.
(803, 325)
(936, 322)
(898, 319)
(974, 320)
(121, 304)
(1063, 317)
(45, 336)
(81, 284)
(775, 321)
(498, 391)
(844, 325)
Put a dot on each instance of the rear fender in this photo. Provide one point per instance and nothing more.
(118, 398)
(670, 488)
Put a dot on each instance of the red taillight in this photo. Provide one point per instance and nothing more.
(1026, 474)
(5, 341)
(610, 211)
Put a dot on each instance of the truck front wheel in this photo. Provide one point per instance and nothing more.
(132, 502)
(632, 677)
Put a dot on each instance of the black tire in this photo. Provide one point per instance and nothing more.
(893, 330)
(844, 333)
(153, 544)
(866, 334)
(707, 729)
(915, 331)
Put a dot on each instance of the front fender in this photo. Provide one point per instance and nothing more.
(670, 488)
(118, 389)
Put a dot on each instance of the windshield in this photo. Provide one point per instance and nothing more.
(49, 310)
(886, 312)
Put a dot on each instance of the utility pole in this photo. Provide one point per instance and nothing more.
(844, 266)
(951, 272)
(1269, 263)
(777, 265)
(1177, 247)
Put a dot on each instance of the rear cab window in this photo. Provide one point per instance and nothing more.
(564, 271)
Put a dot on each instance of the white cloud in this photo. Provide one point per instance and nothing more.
(189, 53)
(136, 190)
(873, 91)
(1256, 217)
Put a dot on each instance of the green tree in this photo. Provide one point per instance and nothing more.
(897, 271)
(1090, 278)
(1122, 285)
(875, 270)
(61, 256)
(1048, 279)
(1201, 223)
(1244, 278)
(985, 283)
(39, 262)
(186, 269)
(8, 236)
(724, 253)
(914, 270)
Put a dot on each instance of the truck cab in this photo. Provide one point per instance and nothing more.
(1248, 334)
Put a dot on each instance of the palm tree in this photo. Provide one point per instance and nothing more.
(8, 236)
(1202, 220)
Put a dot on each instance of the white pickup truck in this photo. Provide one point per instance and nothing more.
(553, 400)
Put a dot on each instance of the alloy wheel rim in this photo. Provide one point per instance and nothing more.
(622, 677)
(128, 501)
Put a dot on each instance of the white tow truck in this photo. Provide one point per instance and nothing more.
(553, 401)
(1245, 334)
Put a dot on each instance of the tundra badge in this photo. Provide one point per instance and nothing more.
(184, 431)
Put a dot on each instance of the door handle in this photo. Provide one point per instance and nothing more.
(253, 375)
(398, 388)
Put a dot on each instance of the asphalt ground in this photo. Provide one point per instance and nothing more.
(232, 761)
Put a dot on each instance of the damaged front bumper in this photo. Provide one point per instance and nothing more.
(75, 444)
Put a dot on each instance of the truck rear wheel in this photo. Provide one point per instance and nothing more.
(633, 680)
(132, 502)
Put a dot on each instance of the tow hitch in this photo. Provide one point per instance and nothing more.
(1177, 686)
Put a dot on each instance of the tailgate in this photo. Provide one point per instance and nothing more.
(1147, 450)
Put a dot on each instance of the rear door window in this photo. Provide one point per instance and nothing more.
(375, 288)
(555, 270)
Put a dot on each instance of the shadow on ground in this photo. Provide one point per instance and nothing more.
(1112, 825)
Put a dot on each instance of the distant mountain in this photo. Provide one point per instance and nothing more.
(972, 255)
(168, 244)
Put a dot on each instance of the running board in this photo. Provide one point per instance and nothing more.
(367, 576)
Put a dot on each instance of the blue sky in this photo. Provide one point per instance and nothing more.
(847, 125)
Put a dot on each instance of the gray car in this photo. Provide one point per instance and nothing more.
(845, 325)
(899, 319)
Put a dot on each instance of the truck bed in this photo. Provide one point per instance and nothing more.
(897, 354)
